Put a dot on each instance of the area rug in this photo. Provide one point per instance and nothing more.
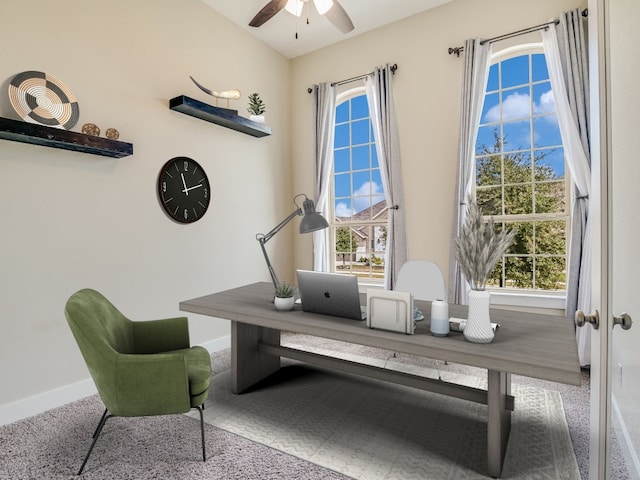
(371, 430)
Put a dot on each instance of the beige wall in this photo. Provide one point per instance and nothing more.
(72, 220)
(427, 94)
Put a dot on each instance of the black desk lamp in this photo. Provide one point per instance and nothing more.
(310, 222)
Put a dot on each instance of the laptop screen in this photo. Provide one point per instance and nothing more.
(330, 294)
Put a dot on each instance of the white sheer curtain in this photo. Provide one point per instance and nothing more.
(325, 113)
(379, 90)
(565, 52)
(474, 84)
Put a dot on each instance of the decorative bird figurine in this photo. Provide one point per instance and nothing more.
(227, 94)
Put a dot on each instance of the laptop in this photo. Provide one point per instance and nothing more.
(330, 294)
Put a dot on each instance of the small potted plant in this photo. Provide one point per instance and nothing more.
(284, 296)
(478, 249)
(256, 108)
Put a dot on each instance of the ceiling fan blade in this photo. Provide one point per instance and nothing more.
(268, 11)
(339, 17)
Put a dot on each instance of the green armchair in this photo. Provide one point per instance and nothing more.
(139, 368)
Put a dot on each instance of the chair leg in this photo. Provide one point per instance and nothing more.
(100, 423)
(106, 416)
(204, 454)
(96, 434)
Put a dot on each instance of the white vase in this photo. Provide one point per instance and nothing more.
(478, 328)
(283, 303)
(257, 118)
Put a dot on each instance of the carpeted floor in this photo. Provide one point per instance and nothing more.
(52, 445)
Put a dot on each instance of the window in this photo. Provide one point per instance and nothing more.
(359, 210)
(520, 172)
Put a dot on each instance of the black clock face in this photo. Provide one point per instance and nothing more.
(184, 189)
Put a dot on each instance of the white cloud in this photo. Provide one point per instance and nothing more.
(368, 187)
(547, 103)
(361, 199)
(342, 210)
(517, 105)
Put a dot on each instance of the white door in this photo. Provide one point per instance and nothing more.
(615, 375)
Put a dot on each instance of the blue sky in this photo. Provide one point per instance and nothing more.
(516, 102)
(357, 182)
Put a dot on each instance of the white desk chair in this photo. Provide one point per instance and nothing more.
(423, 279)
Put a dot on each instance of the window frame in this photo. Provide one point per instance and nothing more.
(342, 97)
(529, 297)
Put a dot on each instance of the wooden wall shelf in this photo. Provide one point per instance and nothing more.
(221, 116)
(35, 134)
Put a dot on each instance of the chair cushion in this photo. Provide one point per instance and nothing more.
(198, 369)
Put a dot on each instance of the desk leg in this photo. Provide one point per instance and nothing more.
(498, 420)
(248, 366)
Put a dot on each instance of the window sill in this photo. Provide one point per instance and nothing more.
(510, 300)
(528, 300)
(367, 284)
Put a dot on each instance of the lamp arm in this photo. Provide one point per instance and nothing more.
(274, 278)
(263, 239)
(266, 237)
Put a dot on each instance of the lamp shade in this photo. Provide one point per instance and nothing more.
(312, 220)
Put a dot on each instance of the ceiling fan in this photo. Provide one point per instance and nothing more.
(330, 8)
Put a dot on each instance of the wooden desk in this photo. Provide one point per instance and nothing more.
(539, 346)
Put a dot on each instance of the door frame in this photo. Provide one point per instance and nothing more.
(600, 219)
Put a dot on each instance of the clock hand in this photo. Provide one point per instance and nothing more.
(191, 188)
(186, 190)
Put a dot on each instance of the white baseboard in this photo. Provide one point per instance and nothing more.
(217, 344)
(624, 440)
(12, 412)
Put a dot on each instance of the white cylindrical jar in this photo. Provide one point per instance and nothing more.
(439, 318)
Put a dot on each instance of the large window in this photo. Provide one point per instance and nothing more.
(520, 172)
(359, 216)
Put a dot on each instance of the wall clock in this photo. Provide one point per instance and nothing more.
(184, 190)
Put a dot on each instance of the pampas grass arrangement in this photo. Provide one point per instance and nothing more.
(479, 246)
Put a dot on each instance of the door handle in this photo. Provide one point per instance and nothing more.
(593, 319)
(624, 320)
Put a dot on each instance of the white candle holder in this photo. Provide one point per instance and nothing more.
(439, 326)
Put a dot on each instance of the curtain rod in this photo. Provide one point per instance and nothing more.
(393, 67)
(543, 26)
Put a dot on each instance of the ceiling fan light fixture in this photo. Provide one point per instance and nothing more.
(294, 7)
(323, 6)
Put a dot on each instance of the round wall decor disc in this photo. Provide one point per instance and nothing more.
(41, 98)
